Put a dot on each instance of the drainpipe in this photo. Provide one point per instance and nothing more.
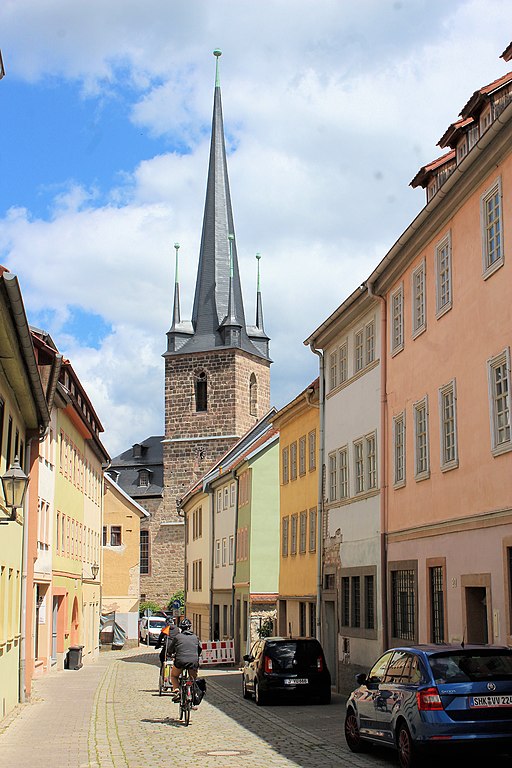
(235, 477)
(320, 516)
(383, 464)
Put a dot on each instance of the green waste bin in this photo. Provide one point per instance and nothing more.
(74, 659)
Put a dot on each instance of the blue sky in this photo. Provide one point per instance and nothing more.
(330, 108)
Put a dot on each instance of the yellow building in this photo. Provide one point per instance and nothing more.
(298, 425)
(121, 558)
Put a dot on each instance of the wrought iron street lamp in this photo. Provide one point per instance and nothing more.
(14, 486)
(95, 570)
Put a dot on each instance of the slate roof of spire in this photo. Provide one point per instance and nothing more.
(212, 295)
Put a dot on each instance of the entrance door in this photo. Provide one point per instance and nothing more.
(55, 608)
(476, 615)
(216, 622)
(329, 639)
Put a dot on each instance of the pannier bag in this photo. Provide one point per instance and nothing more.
(199, 690)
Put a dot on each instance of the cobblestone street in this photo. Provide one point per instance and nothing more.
(109, 715)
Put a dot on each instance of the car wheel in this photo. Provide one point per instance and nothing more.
(405, 746)
(352, 735)
(260, 697)
(245, 692)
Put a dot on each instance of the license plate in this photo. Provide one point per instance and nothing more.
(296, 681)
(490, 701)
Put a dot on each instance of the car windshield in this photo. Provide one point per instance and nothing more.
(291, 655)
(156, 623)
(471, 666)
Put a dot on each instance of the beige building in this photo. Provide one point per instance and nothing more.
(121, 558)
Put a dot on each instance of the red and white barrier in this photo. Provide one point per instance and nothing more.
(218, 652)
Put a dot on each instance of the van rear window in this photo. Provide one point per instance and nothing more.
(290, 656)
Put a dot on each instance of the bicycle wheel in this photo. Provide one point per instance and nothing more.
(187, 713)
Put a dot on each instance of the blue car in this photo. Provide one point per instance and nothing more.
(433, 696)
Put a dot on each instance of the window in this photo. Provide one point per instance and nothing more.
(302, 619)
(303, 532)
(359, 466)
(226, 497)
(232, 492)
(224, 551)
(371, 462)
(421, 449)
(253, 395)
(397, 320)
(201, 392)
(104, 538)
(343, 469)
(144, 552)
(499, 397)
(448, 424)
(197, 575)
(369, 342)
(333, 369)
(293, 535)
(443, 276)
(332, 477)
(357, 605)
(302, 455)
(419, 322)
(217, 553)
(399, 449)
(436, 586)
(403, 603)
(312, 450)
(219, 500)
(143, 478)
(115, 535)
(343, 362)
(358, 351)
(284, 536)
(231, 549)
(293, 461)
(197, 523)
(492, 230)
(285, 464)
(312, 529)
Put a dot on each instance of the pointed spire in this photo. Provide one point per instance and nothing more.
(176, 318)
(259, 305)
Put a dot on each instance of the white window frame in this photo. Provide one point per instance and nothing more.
(421, 472)
(419, 300)
(488, 233)
(219, 500)
(369, 342)
(343, 364)
(224, 551)
(371, 461)
(359, 466)
(217, 553)
(312, 450)
(444, 266)
(232, 491)
(333, 479)
(231, 550)
(448, 427)
(499, 403)
(396, 325)
(399, 427)
(359, 350)
(302, 455)
(333, 369)
(343, 482)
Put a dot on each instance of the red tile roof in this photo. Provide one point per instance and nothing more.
(452, 133)
(421, 178)
(507, 53)
(478, 97)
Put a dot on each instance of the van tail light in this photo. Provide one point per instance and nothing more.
(320, 664)
(268, 664)
(428, 700)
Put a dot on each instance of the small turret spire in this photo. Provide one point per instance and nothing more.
(176, 317)
(217, 53)
(259, 305)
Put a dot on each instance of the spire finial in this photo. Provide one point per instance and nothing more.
(258, 257)
(177, 247)
(217, 53)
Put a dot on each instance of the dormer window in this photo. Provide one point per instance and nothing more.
(201, 392)
(462, 149)
(485, 119)
(144, 478)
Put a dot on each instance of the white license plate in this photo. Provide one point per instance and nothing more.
(296, 681)
(490, 701)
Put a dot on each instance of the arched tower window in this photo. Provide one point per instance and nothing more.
(253, 395)
(201, 392)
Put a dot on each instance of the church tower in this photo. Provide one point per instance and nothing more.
(217, 368)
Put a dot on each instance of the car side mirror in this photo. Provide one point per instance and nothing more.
(361, 678)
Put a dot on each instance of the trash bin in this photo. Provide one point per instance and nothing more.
(74, 660)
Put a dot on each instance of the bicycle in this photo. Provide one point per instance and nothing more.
(186, 700)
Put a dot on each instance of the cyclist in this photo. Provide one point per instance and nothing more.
(164, 639)
(186, 649)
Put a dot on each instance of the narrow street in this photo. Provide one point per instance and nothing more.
(109, 715)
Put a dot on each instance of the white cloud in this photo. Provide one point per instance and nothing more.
(330, 108)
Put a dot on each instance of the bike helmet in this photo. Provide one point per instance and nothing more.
(185, 624)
